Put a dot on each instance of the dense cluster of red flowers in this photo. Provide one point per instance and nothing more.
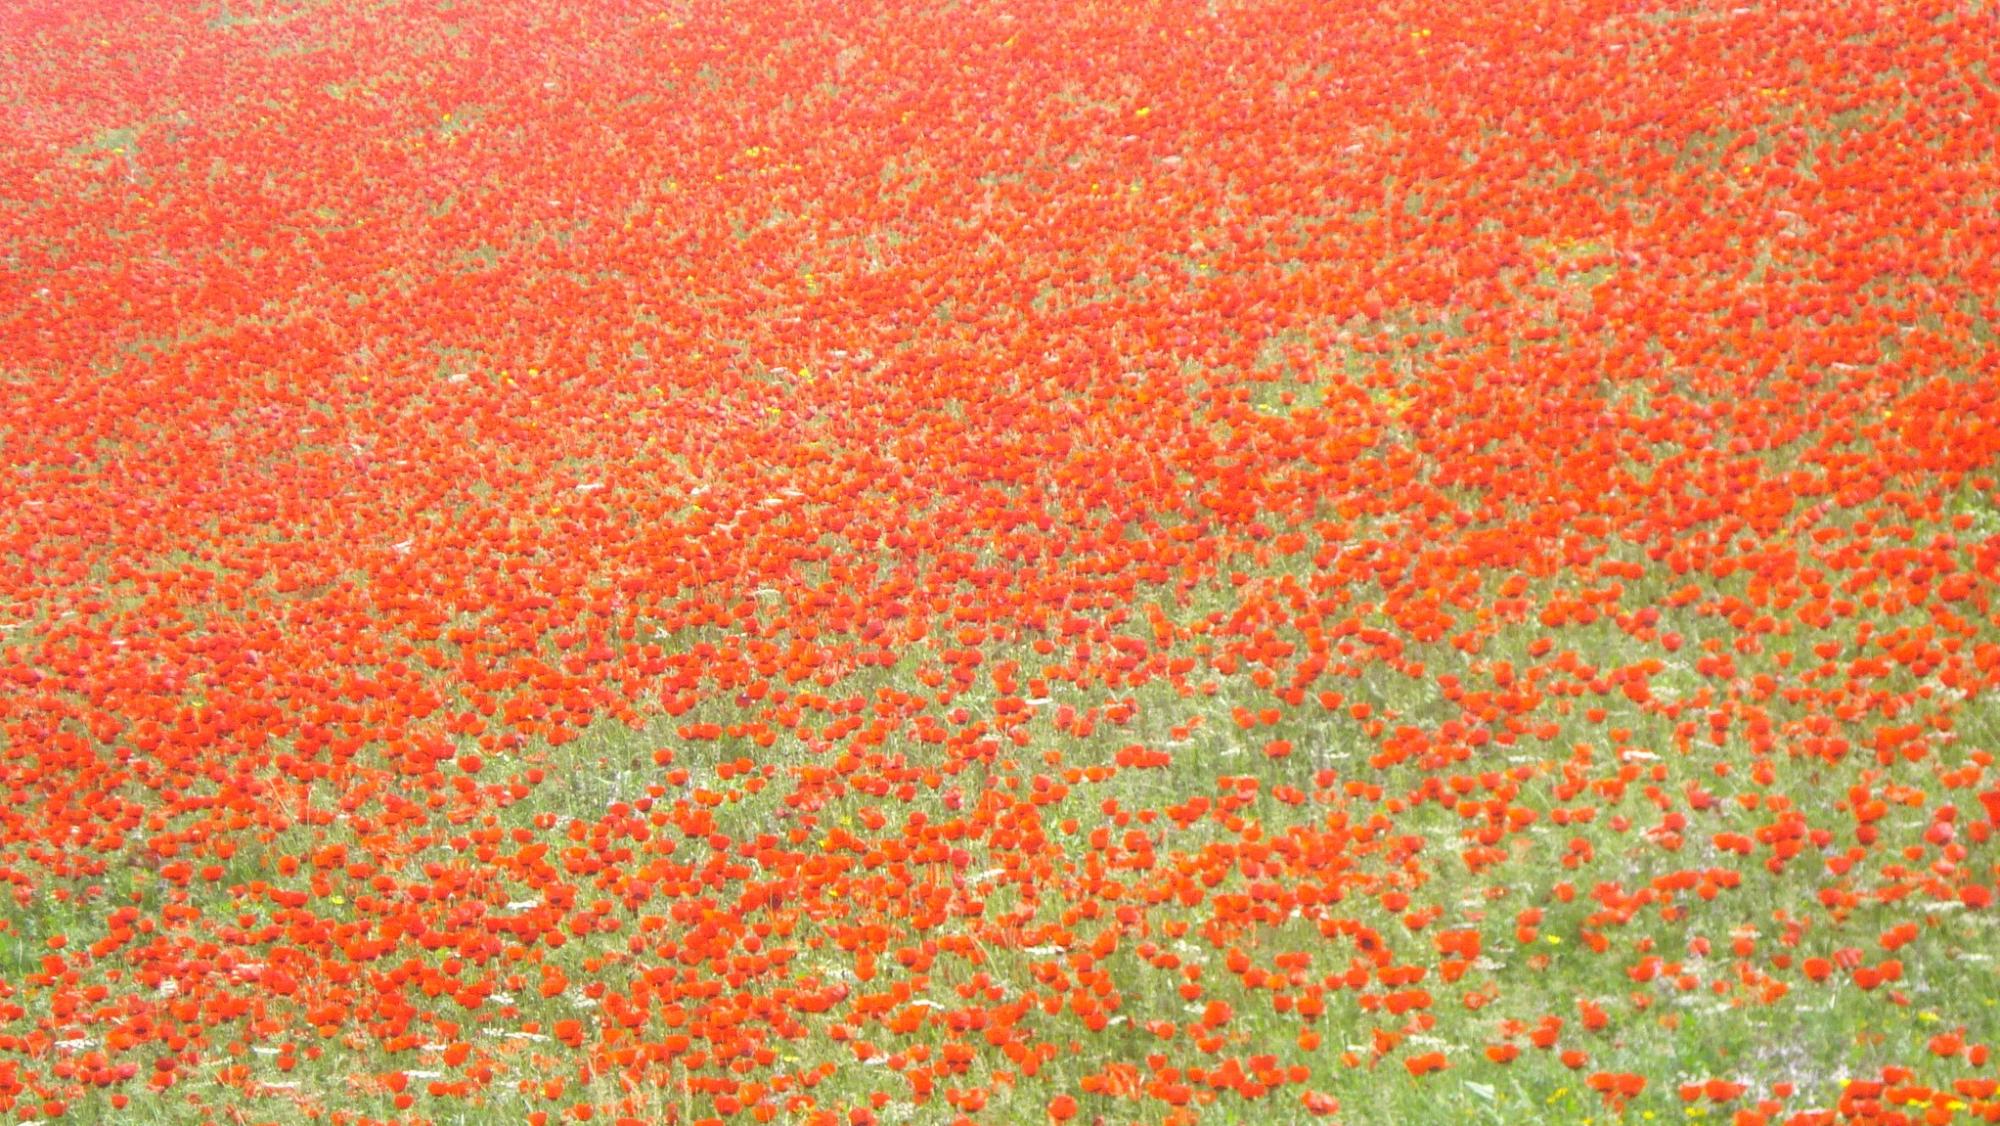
(841, 562)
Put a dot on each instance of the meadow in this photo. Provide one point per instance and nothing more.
(999, 561)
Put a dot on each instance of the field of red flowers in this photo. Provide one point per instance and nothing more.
(999, 561)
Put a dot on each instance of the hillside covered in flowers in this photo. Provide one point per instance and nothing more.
(999, 561)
